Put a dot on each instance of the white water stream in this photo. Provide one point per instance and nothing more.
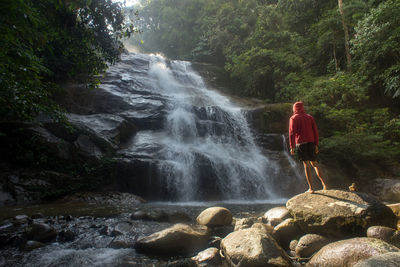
(206, 140)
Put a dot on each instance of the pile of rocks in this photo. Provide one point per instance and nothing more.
(327, 228)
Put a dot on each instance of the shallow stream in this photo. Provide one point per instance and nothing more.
(94, 227)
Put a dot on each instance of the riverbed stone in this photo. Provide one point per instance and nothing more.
(32, 244)
(215, 216)
(207, 258)
(21, 219)
(387, 234)
(121, 242)
(243, 223)
(310, 244)
(252, 247)
(179, 239)
(286, 231)
(347, 253)
(41, 232)
(276, 215)
(67, 235)
(339, 213)
(390, 259)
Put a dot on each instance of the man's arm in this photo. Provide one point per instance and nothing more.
(292, 141)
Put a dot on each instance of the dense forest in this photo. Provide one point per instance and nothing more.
(342, 58)
(46, 43)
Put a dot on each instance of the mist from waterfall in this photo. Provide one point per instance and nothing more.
(206, 139)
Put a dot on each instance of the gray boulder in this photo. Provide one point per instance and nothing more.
(390, 259)
(339, 213)
(41, 232)
(346, 253)
(31, 245)
(310, 244)
(387, 234)
(276, 215)
(215, 216)
(252, 247)
(209, 257)
(179, 239)
(286, 231)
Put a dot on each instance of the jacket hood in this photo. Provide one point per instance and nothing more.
(298, 108)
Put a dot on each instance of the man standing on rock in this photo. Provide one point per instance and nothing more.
(303, 135)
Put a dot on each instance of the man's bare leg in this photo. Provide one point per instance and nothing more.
(318, 172)
(308, 176)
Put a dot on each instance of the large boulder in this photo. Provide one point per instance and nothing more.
(390, 259)
(339, 213)
(41, 232)
(387, 234)
(179, 239)
(346, 253)
(286, 231)
(276, 215)
(310, 244)
(215, 216)
(253, 247)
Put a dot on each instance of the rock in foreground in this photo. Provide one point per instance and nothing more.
(391, 259)
(346, 253)
(276, 215)
(215, 216)
(179, 239)
(253, 247)
(339, 213)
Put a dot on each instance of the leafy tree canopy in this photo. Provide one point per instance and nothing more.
(47, 42)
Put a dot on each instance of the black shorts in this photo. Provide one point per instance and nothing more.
(306, 152)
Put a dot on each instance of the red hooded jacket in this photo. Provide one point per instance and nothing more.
(302, 127)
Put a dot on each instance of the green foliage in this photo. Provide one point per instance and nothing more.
(290, 50)
(47, 42)
(376, 47)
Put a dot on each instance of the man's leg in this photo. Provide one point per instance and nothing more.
(307, 171)
(318, 172)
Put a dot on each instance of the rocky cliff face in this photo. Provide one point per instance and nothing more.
(165, 135)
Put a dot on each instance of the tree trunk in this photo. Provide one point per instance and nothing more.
(346, 34)
(334, 57)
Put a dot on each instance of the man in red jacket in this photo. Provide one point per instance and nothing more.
(303, 135)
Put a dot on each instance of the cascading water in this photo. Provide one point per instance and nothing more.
(207, 149)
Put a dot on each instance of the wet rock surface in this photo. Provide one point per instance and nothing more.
(107, 237)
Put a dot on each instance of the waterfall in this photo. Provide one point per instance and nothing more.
(207, 149)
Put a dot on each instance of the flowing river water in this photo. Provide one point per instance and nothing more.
(204, 153)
